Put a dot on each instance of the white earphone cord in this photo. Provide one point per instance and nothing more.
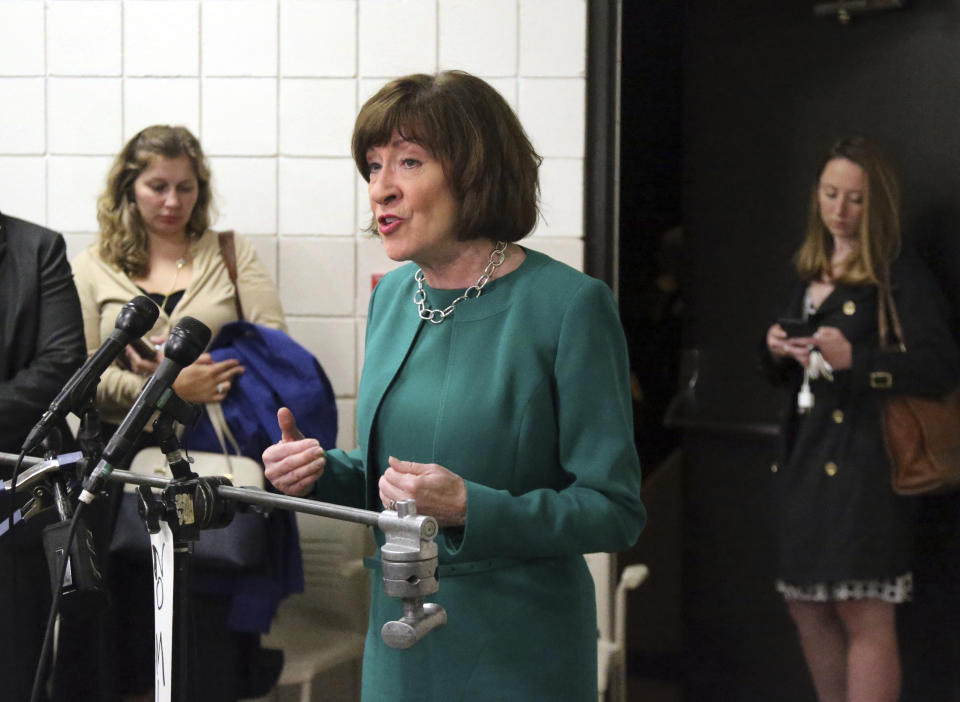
(818, 368)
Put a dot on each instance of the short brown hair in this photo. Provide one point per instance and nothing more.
(488, 160)
(879, 225)
(123, 237)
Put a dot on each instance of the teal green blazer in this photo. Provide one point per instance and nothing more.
(536, 417)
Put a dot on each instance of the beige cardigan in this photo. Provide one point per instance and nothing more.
(209, 298)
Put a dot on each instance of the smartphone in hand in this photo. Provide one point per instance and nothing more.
(145, 350)
(795, 326)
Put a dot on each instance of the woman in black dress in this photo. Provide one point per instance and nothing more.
(845, 537)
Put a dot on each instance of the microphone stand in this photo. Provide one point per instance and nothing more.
(88, 435)
(409, 554)
(54, 481)
(184, 489)
(189, 504)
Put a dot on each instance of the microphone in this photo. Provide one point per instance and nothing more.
(136, 318)
(186, 342)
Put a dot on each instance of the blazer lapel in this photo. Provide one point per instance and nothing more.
(388, 344)
(387, 349)
(843, 295)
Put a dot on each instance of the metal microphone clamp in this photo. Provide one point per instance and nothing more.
(409, 561)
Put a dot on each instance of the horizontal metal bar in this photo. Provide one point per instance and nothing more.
(33, 469)
(256, 496)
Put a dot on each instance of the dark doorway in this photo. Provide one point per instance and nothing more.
(651, 271)
(651, 233)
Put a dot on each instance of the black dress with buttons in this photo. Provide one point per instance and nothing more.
(838, 517)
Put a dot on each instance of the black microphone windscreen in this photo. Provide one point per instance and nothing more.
(138, 316)
(187, 341)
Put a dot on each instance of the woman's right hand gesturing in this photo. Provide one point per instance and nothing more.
(294, 463)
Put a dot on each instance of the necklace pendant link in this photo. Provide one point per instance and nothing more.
(436, 316)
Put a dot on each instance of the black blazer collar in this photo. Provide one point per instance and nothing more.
(844, 293)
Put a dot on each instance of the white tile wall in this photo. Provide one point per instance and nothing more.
(466, 27)
(316, 196)
(84, 115)
(317, 275)
(316, 116)
(560, 215)
(271, 87)
(22, 181)
(77, 243)
(22, 127)
(364, 215)
(83, 37)
(245, 191)
(397, 37)
(239, 37)
(333, 342)
(149, 101)
(73, 185)
(21, 38)
(552, 111)
(553, 38)
(161, 38)
(318, 38)
(239, 116)
(266, 246)
(347, 425)
(371, 262)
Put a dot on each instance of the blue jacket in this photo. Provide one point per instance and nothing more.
(278, 372)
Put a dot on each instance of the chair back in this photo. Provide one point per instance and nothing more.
(335, 582)
(601, 567)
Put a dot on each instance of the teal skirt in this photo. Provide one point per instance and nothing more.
(525, 631)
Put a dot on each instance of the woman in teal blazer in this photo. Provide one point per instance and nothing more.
(495, 393)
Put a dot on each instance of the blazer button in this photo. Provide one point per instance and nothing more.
(774, 467)
(837, 416)
(830, 469)
(849, 308)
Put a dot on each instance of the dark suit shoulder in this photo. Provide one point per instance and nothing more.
(19, 232)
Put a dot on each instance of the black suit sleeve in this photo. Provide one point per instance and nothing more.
(52, 317)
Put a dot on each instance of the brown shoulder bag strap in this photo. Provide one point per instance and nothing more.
(229, 252)
(886, 304)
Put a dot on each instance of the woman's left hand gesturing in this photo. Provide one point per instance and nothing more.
(439, 492)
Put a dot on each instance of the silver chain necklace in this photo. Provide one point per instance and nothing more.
(497, 257)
